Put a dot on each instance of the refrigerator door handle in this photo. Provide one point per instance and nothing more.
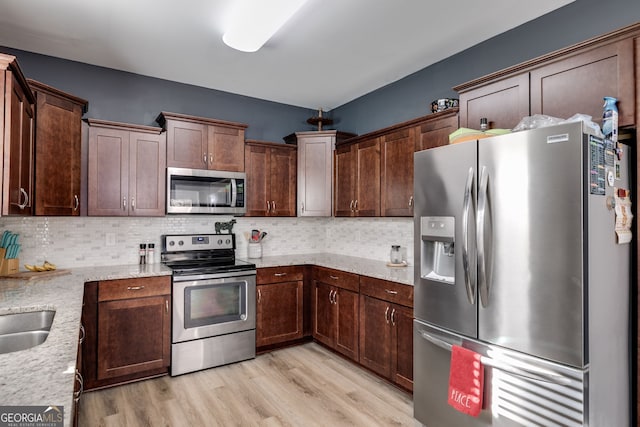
(484, 259)
(529, 372)
(466, 217)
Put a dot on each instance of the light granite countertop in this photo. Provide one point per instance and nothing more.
(362, 266)
(44, 375)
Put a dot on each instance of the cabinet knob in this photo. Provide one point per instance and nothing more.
(386, 315)
(135, 288)
(76, 202)
(133, 203)
(124, 203)
(302, 207)
(411, 201)
(279, 274)
(204, 158)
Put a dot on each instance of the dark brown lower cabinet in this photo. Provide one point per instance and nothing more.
(335, 310)
(128, 330)
(386, 331)
(279, 313)
(280, 306)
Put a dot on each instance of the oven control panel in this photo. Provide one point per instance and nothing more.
(195, 242)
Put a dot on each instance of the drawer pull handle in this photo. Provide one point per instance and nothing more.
(391, 292)
(280, 274)
(333, 277)
(135, 288)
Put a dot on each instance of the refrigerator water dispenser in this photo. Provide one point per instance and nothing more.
(437, 250)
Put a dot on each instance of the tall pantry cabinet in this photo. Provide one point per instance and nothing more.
(58, 139)
(16, 134)
(315, 170)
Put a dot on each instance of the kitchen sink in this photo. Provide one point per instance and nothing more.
(20, 331)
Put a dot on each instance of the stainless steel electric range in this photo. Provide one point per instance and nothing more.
(214, 302)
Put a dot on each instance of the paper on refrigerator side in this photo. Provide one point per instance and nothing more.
(624, 217)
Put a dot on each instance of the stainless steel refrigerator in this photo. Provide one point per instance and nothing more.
(517, 259)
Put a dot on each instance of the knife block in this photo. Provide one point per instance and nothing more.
(8, 266)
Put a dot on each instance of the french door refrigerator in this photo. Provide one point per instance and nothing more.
(518, 260)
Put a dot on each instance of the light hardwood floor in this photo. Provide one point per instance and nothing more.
(305, 385)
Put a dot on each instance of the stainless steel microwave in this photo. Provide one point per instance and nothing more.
(199, 191)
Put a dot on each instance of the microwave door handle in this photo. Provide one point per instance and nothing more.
(233, 193)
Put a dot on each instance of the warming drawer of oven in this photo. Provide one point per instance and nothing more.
(213, 306)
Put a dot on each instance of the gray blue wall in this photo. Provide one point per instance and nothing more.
(411, 97)
(132, 98)
(126, 97)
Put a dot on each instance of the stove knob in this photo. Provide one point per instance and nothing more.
(228, 241)
(180, 242)
(171, 243)
(219, 241)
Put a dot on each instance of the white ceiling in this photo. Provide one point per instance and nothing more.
(329, 53)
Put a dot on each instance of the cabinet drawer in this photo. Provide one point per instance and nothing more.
(279, 274)
(388, 291)
(338, 278)
(109, 290)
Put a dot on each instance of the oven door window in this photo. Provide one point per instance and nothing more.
(215, 304)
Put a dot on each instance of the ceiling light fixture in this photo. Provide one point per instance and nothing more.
(253, 22)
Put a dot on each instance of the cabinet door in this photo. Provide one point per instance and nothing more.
(402, 346)
(133, 336)
(346, 321)
(504, 103)
(58, 140)
(324, 329)
(187, 144)
(282, 186)
(367, 180)
(108, 178)
(257, 188)
(18, 151)
(435, 133)
(225, 149)
(344, 166)
(315, 159)
(577, 84)
(147, 163)
(375, 335)
(396, 193)
(279, 313)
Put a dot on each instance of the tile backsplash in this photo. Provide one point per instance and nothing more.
(100, 241)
